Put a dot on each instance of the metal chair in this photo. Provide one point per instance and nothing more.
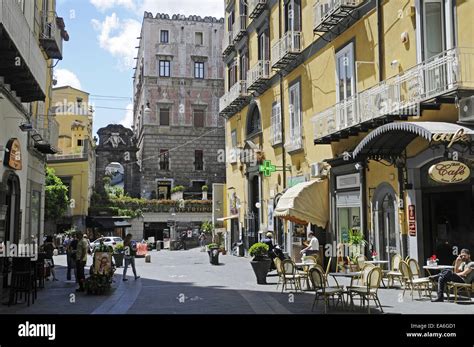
(290, 275)
(414, 268)
(321, 290)
(370, 289)
(460, 287)
(22, 281)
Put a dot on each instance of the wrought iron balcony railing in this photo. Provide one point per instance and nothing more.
(329, 13)
(398, 96)
(258, 75)
(286, 49)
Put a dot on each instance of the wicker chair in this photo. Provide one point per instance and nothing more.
(321, 290)
(460, 287)
(409, 282)
(394, 272)
(360, 261)
(370, 289)
(414, 268)
(290, 275)
(277, 262)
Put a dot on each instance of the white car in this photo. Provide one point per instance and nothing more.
(112, 241)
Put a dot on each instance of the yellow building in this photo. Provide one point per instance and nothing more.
(75, 162)
(31, 34)
(344, 98)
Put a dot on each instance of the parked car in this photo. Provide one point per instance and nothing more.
(108, 241)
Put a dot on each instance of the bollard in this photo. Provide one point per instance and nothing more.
(148, 258)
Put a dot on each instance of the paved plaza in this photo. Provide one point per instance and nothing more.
(183, 282)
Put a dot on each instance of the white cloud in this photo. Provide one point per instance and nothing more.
(127, 121)
(66, 78)
(203, 8)
(119, 38)
(103, 5)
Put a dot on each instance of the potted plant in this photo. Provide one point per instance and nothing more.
(260, 262)
(213, 251)
(177, 193)
(205, 188)
(356, 246)
(119, 254)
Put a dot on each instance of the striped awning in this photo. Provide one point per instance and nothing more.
(391, 139)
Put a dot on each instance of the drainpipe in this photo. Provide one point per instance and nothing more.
(380, 38)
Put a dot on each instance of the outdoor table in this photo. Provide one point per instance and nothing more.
(377, 262)
(437, 268)
(350, 275)
(306, 265)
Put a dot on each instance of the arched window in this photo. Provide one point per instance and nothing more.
(254, 125)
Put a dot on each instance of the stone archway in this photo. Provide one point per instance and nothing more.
(10, 196)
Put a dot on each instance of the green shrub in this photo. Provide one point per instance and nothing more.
(205, 188)
(258, 250)
(177, 189)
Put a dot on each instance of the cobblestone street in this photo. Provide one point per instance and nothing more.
(183, 282)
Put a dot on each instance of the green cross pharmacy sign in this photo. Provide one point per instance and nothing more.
(267, 168)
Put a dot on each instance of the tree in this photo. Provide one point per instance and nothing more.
(56, 197)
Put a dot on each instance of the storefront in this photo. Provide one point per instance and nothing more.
(431, 209)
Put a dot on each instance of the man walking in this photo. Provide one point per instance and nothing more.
(81, 260)
(130, 252)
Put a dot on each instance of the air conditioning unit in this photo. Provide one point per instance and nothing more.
(319, 170)
(466, 110)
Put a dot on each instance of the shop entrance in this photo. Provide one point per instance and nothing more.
(448, 221)
(387, 231)
(10, 215)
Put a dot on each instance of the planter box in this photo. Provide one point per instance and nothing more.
(177, 196)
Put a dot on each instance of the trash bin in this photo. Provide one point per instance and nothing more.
(241, 249)
(214, 256)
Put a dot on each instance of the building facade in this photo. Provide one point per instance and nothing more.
(75, 161)
(177, 85)
(31, 37)
(355, 102)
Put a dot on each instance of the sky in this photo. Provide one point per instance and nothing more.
(99, 57)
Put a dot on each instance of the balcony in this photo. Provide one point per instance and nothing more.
(329, 13)
(21, 61)
(256, 7)
(227, 42)
(46, 134)
(51, 37)
(426, 85)
(240, 28)
(294, 142)
(286, 50)
(235, 99)
(258, 75)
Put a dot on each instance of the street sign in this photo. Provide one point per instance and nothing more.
(267, 168)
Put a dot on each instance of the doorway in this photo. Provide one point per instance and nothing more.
(11, 231)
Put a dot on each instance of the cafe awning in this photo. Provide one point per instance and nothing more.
(390, 140)
(306, 202)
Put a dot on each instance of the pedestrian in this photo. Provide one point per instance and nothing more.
(313, 245)
(130, 253)
(183, 237)
(202, 241)
(81, 260)
(463, 273)
(49, 248)
(71, 257)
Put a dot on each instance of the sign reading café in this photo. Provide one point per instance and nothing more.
(12, 157)
(449, 172)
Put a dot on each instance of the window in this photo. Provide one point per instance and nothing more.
(244, 65)
(276, 124)
(79, 103)
(164, 159)
(165, 68)
(164, 36)
(165, 116)
(233, 136)
(198, 160)
(80, 143)
(263, 46)
(348, 214)
(198, 39)
(232, 72)
(345, 83)
(199, 118)
(434, 28)
(199, 70)
(293, 16)
(253, 122)
(295, 138)
(233, 150)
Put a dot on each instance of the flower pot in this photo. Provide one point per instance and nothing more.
(214, 256)
(261, 268)
(118, 258)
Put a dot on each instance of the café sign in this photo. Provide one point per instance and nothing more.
(12, 157)
(449, 172)
(451, 138)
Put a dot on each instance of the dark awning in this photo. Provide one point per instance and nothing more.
(390, 140)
